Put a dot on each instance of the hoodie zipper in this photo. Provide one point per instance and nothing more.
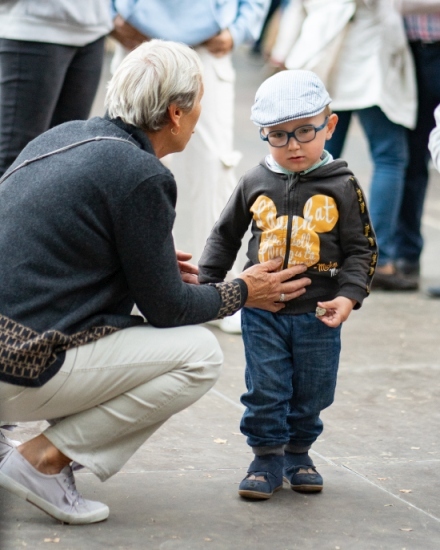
(291, 180)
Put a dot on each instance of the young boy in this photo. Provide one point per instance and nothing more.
(309, 209)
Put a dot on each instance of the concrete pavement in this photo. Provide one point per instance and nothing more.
(379, 452)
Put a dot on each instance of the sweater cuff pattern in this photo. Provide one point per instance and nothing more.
(230, 295)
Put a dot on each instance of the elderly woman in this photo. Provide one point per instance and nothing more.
(87, 213)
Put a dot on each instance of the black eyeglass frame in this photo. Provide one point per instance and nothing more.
(290, 135)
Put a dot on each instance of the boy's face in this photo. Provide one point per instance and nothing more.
(296, 156)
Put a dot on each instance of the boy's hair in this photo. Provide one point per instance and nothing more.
(289, 95)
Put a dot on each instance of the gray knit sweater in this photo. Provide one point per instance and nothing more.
(85, 234)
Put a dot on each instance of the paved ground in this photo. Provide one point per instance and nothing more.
(379, 452)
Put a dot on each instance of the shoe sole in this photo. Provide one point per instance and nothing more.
(305, 488)
(256, 495)
(73, 519)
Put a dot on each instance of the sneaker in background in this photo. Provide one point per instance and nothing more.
(231, 324)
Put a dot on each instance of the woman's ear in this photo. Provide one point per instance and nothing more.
(331, 125)
(175, 114)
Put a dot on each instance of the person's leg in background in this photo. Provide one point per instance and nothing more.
(80, 84)
(108, 398)
(39, 89)
(409, 239)
(205, 172)
(336, 144)
(389, 152)
(274, 5)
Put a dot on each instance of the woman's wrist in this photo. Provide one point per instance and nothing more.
(233, 295)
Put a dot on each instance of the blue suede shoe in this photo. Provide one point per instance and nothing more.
(265, 477)
(301, 473)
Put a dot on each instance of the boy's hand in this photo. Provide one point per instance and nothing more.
(336, 311)
(188, 271)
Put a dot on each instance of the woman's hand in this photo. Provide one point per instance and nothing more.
(188, 271)
(269, 288)
(337, 311)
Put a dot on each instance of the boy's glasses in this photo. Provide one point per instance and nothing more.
(303, 134)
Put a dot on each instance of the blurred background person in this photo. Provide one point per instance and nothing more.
(205, 171)
(434, 140)
(422, 22)
(51, 55)
(359, 49)
(275, 7)
(434, 147)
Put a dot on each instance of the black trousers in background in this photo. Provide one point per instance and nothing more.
(43, 85)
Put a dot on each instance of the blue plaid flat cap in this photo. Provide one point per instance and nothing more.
(289, 95)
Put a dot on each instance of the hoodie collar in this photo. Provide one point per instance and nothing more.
(326, 158)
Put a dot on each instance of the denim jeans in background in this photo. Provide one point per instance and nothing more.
(409, 239)
(389, 152)
(291, 370)
(43, 85)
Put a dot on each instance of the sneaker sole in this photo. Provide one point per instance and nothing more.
(256, 495)
(73, 519)
(307, 488)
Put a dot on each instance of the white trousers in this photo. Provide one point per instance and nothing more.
(111, 395)
(204, 171)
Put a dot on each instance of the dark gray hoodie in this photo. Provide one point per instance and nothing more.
(318, 218)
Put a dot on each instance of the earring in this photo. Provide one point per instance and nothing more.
(173, 132)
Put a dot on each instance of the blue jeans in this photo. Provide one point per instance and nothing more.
(43, 85)
(389, 152)
(409, 239)
(291, 370)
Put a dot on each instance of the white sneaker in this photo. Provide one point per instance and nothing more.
(54, 494)
(6, 445)
(232, 324)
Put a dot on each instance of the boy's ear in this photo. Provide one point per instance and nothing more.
(331, 125)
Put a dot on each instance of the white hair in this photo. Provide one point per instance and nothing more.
(152, 77)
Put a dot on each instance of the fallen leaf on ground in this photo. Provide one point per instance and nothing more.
(405, 491)
(221, 441)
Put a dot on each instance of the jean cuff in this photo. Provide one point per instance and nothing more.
(297, 449)
(263, 451)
